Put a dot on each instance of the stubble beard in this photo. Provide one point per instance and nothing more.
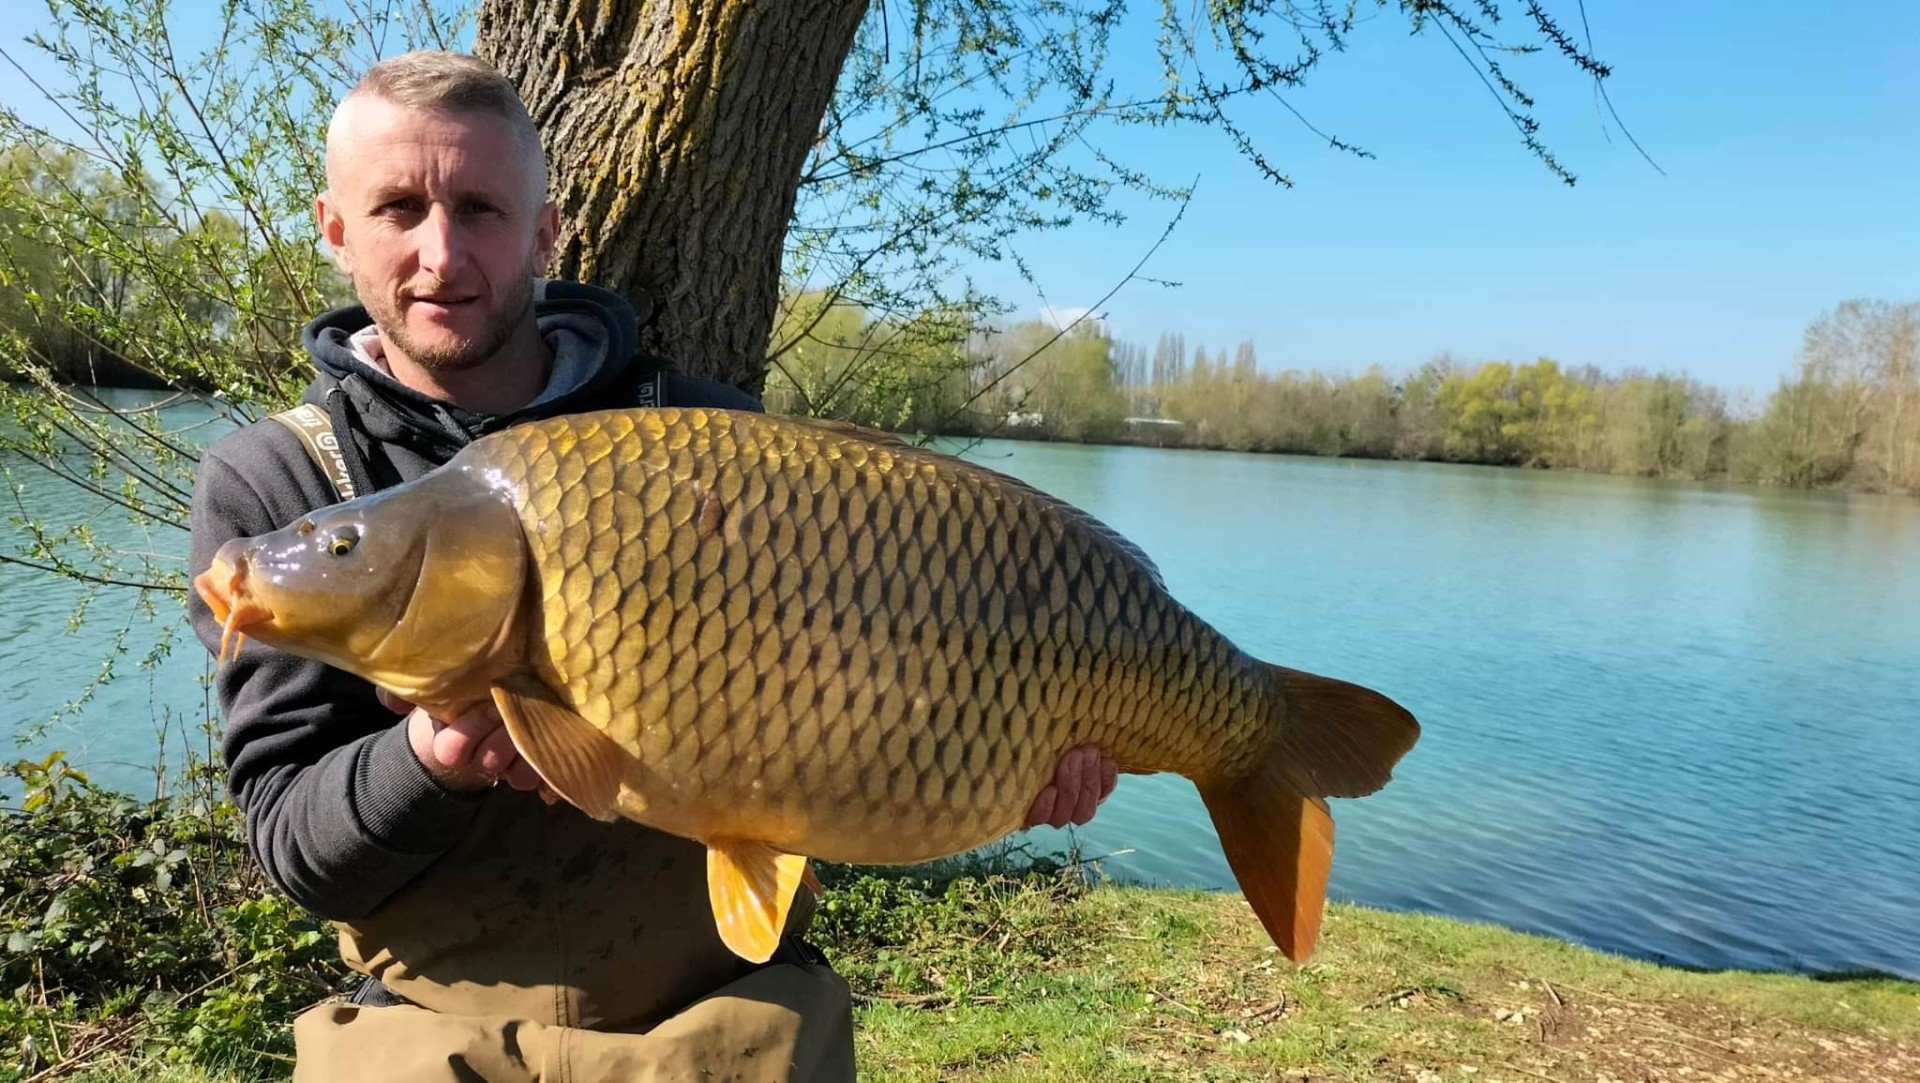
(460, 355)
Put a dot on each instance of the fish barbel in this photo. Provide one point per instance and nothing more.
(793, 639)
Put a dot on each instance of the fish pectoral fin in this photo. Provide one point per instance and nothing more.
(579, 762)
(751, 886)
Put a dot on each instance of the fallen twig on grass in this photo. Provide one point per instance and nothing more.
(1266, 1014)
(1158, 998)
(928, 1000)
(83, 1056)
(1552, 992)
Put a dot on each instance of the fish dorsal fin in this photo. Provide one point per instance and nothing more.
(576, 759)
(751, 886)
(848, 428)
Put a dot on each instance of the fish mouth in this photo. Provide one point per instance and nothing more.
(223, 586)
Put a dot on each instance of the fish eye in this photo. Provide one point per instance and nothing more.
(343, 543)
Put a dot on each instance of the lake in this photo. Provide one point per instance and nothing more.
(1669, 720)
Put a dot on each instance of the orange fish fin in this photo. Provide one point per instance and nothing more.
(813, 882)
(751, 886)
(1338, 739)
(1331, 739)
(576, 759)
(1279, 844)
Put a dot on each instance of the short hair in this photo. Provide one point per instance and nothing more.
(444, 82)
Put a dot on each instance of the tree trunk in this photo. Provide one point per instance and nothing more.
(677, 130)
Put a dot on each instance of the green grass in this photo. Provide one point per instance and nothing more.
(142, 944)
(1033, 976)
(1162, 985)
(138, 1071)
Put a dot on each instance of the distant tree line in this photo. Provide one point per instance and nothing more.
(105, 291)
(104, 284)
(1849, 414)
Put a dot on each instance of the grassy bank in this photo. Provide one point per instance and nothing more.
(138, 943)
(1182, 986)
(1028, 978)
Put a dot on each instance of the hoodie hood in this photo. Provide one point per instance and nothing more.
(594, 335)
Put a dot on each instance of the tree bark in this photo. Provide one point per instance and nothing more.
(676, 132)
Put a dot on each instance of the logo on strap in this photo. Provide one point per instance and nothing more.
(315, 430)
(653, 391)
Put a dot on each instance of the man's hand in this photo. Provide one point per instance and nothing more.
(1084, 778)
(468, 752)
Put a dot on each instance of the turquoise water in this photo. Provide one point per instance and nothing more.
(1668, 720)
(1662, 719)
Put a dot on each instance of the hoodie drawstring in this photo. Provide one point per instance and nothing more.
(341, 412)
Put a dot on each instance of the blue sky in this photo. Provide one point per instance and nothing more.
(1787, 136)
(1787, 131)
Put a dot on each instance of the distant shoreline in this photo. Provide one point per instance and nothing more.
(1164, 443)
(1721, 478)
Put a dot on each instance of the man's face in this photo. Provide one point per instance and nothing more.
(438, 224)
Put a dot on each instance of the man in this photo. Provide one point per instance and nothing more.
(503, 938)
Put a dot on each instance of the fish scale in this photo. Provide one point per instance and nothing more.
(1010, 603)
(789, 638)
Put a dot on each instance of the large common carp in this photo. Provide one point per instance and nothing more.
(791, 639)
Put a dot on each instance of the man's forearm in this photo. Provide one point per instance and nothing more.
(342, 834)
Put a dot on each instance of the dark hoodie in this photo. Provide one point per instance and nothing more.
(339, 812)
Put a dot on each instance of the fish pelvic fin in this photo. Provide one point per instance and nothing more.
(1330, 739)
(572, 755)
(752, 886)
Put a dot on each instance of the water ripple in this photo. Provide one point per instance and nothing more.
(1661, 720)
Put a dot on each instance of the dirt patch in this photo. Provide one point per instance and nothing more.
(1579, 1034)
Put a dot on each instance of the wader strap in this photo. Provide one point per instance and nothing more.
(315, 430)
(652, 389)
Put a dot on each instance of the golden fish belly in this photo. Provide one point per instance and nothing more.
(850, 649)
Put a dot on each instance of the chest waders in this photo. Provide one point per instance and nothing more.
(548, 946)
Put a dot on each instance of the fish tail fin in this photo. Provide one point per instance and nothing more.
(1338, 739)
(1331, 739)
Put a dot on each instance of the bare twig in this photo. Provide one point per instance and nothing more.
(1557, 1002)
(74, 573)
(1076, 321)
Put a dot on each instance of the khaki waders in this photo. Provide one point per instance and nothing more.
(551, 947)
